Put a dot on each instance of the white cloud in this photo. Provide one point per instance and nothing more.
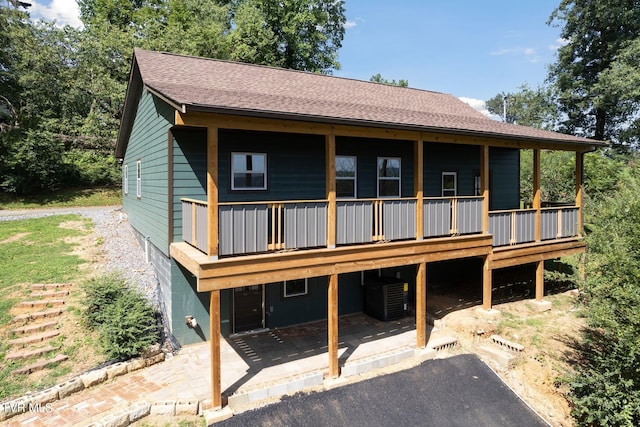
(63, 12)
(479, 105)
(529, 53)
(350, 24)
(558, 44)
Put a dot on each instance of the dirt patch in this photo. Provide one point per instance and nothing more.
(547, 337)
(14, 238)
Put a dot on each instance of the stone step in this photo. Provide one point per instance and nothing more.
(40, 365)
(50, 286)
(38, 327)
(26, 354)
(25, 317)
(41, 303)
(30, 339)
(50, 294)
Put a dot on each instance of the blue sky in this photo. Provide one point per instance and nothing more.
(471, 49)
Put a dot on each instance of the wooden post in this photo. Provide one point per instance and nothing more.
(484, 185)
(330, 173)
(579, 190)
(486, 283)
(212, 192)
(332, 316)
(537, 203)
(214, 328)
(539, 280)
(418, 186)
(421, 305)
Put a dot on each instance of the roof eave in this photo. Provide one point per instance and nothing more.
(591, 145)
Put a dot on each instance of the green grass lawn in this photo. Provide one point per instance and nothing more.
(77, 197)
(33, 251)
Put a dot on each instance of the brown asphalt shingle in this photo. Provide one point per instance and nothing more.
(193, 83)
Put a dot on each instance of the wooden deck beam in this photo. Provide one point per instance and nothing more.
(510, 256)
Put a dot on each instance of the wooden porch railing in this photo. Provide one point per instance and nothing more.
(257, 227)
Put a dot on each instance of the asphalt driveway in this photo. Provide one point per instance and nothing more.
(457, 391)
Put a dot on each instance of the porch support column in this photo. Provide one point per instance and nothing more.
(332, 316)
(486, 283)
(539, 281)
(214, 328)
(537, 203)
(330, 173)
(484, 185)
(418, 186)
(421, 305)
(212, 192)
(579, 190)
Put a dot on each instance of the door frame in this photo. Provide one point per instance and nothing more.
(233, 311)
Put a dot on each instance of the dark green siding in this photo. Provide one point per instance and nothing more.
(504, 164)
(367, 152)
(462, 159)
(148, 143)
(295, 165)
(189, 171)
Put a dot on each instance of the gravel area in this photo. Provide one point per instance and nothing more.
(119, 248)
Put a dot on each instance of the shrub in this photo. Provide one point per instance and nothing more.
(126, 322)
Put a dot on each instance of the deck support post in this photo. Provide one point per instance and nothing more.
(539, 280)
(212, 192)
(487, 285)
(214, 328)
(484, 187)
(421, 305)
(579, 190)
(418, 186)
(330, 173)
(332, 316)
(537, 202)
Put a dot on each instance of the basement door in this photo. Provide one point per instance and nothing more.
(248, 308)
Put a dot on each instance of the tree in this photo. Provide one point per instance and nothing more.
(377, 78)
(597, 32)
(297, 34)
(527, 107)
(606, 387)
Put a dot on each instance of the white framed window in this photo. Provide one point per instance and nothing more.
(346, 176)
(295, 288)
(139, 179)
(248, 171)
(125, 177)
(449, 184)
(389, 176)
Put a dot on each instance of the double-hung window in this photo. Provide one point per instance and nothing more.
(449, 184)
(248, 171)
(139, 179)
(388, 177)
(346, 181)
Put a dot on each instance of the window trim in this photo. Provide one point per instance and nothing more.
(233, 172)
(125, 173)
(343, 178)
(285, 295)
(139, 178)
(455, 184)
(384, 178)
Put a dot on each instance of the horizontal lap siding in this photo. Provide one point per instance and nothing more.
(189, 171)
(295, 165)
(148, 143)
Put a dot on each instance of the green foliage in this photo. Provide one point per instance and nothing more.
(606, 388)
(377, 78)
(527, 107)
(126, 322)
(598, 33)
